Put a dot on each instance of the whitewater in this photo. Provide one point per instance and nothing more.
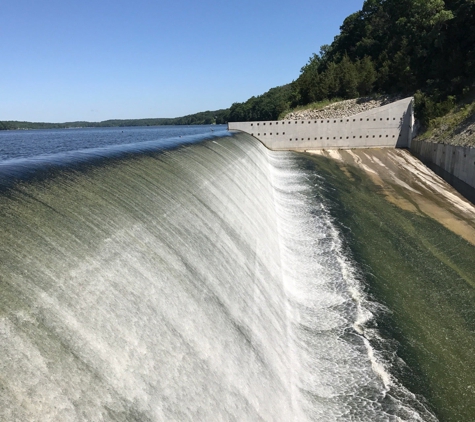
(204, 280)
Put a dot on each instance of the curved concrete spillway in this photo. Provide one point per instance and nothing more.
(204, 283)
(390, 126)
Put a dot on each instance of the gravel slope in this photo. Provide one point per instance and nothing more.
(342, 108)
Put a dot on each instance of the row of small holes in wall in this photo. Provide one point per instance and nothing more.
(316, 121)
(321, 137)
(464, 154)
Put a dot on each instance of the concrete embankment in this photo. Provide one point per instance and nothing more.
(410, 185)
(388, 126)
(449, 153)
(456, 164)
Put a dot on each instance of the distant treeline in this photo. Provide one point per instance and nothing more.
(424, 48)
(264, 107)
(202, 118)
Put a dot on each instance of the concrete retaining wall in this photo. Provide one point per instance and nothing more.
(388, 126)
(455, 160)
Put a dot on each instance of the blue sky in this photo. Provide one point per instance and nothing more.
(98, 60)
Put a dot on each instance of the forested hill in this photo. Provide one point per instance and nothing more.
(202, 118)
(424, 48)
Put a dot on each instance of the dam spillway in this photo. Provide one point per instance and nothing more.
(201, 281)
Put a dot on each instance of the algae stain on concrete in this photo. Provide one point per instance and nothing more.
(414, 238)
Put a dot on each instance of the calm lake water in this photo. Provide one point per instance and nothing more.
(32, 143)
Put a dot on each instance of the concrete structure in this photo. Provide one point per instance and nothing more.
(454, 163)
(389, 126)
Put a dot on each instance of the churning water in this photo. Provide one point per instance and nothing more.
(181, 281)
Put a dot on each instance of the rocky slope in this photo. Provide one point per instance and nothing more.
(341, 109)
(462, 135)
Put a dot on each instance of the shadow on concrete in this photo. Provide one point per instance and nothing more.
(463, 188)
(405, 129)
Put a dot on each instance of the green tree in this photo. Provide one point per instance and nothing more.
(366, 76)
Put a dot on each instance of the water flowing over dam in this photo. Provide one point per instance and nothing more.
(204, 281)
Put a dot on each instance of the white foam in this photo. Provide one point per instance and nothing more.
(323, 283)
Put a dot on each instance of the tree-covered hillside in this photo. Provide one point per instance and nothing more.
(424, 48)
(267, 106)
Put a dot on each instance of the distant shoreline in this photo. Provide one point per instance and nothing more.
(201, 118)
(99, 127)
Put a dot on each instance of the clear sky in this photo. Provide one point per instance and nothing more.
(102, 59)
